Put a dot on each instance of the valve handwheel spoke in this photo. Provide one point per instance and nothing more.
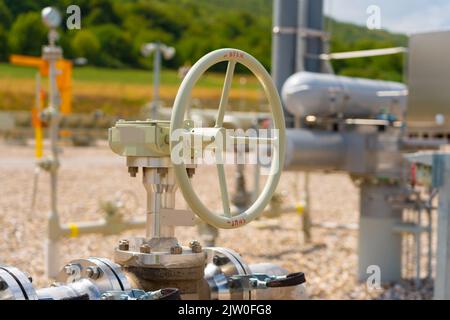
(224, 219)
(223, 190)
(225, 93)
(219, 124)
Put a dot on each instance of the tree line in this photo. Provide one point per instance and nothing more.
(113, 31)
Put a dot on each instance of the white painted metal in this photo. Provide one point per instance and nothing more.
(363, 53)
(52, 54)
(180, 107)
(378, 244)
(326, 95)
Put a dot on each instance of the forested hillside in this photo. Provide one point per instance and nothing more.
(112, 32)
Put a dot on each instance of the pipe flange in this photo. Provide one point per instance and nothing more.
(152, 162)
(15, 285)
(160, 254)
(185, 259)
(105, 274)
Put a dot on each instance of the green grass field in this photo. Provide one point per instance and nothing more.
(93, 74)
(125, 76)
(116, 90)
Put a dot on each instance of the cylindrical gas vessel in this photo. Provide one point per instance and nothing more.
(328, 95)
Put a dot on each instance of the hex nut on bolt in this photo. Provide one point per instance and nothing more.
(93, 272)
(133, 171)
(69, 269)
(220, 261)
(176, 249)
(124, 245)
(195, 246)
(145, 248)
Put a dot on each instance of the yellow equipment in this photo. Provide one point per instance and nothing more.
(64, 83)
(63, 79)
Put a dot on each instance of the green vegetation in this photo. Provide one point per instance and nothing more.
(114, 30)
(348, 37)
(120, 76)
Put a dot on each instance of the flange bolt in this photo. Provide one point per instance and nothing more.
(176, 249)
(133, 171)
(195, 246)
(220, 261)
(145, 248)
(124, 245)
(93, 272)
(71, 269)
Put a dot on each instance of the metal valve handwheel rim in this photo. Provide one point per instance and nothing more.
(233, 56)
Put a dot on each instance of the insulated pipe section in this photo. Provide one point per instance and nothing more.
(310, 150)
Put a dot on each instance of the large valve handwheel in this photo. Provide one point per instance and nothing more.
(225, 219)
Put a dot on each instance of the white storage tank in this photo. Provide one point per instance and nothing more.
(327, 95)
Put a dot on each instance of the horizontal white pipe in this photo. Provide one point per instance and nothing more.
(363, 53)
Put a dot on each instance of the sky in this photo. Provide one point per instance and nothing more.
(404, 16)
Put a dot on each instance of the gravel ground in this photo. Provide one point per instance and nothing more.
(89, 175)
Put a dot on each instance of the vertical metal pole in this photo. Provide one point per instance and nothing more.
(441, 168)
(256, 182)
(38, 126)
(284, 45)
(418, 247)
(54, 129)
(156, 75)
(314, 45)
(430, 242)
(38, 141)
(306, 217)
(302, 23)
(378, 244)
(52, 54)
